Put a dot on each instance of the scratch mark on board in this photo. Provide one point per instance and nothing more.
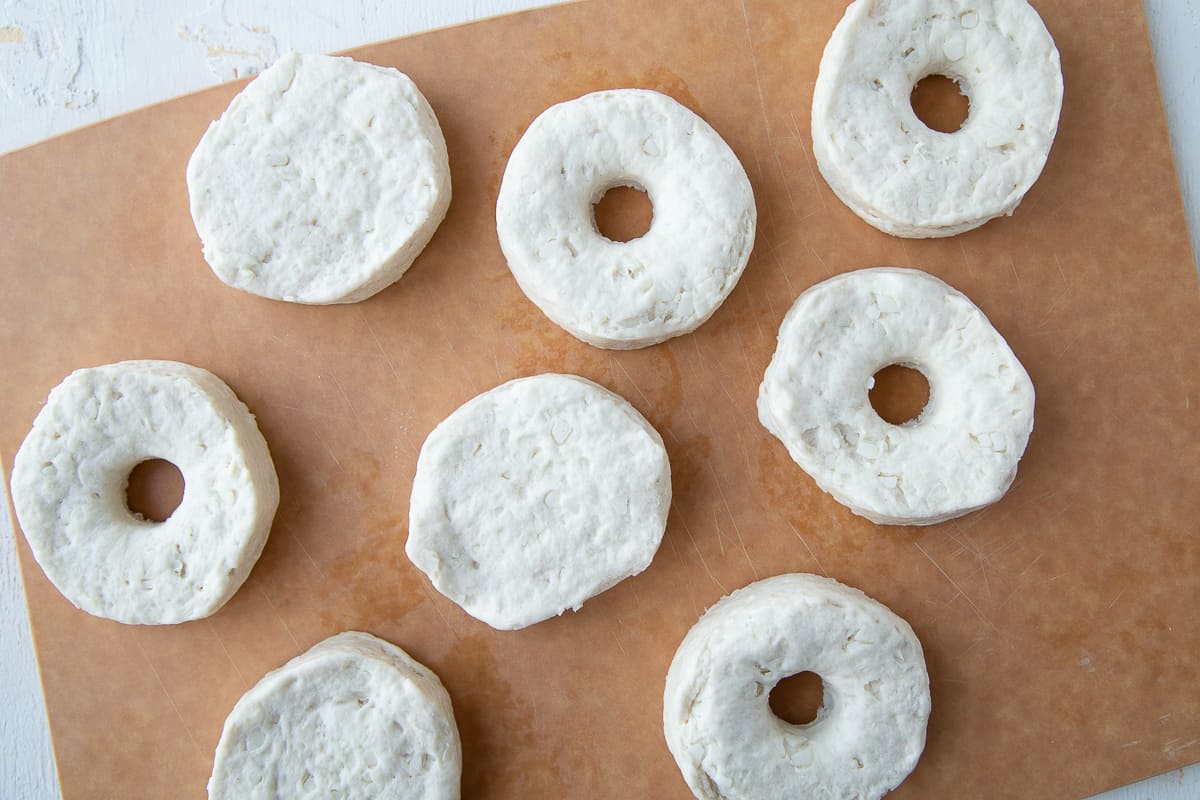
(787, 185)
(782, 271)
(804, 542)
(241, 678)
(703, 563)
(812, 170)
(1061, 273)
(617, 639)
(307, 555)
(1051, 309)
(279, 616)
(958, 588)
(762, 98)
(329, 450)
(379, 346)
(750, 371)
(1171, 749)
(170, 699)
(733, 521)
(683, 563)
(818, 255)
(342, 392)
(316, 412)
(645, 400)
(433, 603)
(720, 533)
(496, 360)
(1063, 350)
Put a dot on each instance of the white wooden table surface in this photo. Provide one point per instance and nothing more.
(66, 63)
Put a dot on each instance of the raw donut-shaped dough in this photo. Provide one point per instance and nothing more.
(69, 479)
(884, 163)
(959, 455)
(321, 183)
(535, 496)
(354, 717)
(870, 729)
(624, 295)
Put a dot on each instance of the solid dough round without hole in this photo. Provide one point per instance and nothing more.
(354, 717)
(70, 475)
(958, 455)
(535, 496)
(884, 163)
(321, 183)
(869, 732)
(624, 295)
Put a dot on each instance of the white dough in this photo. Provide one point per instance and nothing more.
(884, 163)
(624, 295)
(959, 455)
(321, 183)
(70, 474)
(354, 718)
(535, 496)
(869, 732)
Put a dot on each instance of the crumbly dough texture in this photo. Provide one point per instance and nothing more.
(884, 163)
(624, 295)
(535, 496)
(321, 183)
(70, 474)
(354, 718)
(869, 732)
(958, 455)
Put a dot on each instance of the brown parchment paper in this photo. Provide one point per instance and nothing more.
(1061, 626)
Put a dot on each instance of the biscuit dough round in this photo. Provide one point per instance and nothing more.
(958, 455)
(354, 717)
(321, 183)
(71, 472)
(884, 163)
(535, 496)
(869, 732)
(624, 295)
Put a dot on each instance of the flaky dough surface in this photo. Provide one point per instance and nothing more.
(69, 480)
(321, 183)
(958, 455)
(869, 732)
(624, 295)
(354, 717)
(884, 163)
(535, 496)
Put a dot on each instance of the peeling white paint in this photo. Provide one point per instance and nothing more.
(232, 48)
(43, 62)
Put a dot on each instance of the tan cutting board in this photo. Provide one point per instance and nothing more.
(1061, 626)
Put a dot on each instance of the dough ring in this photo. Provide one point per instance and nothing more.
(535, 496)
(959, 455)
(355, 717)
(321, 183)
(624, 295)
(884, 163)
(869, 732)
(70, 474)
